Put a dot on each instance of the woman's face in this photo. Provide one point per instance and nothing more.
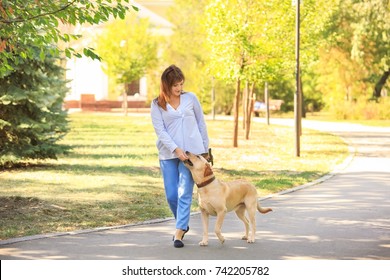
(177, 88)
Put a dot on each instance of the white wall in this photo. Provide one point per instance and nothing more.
(86, 76)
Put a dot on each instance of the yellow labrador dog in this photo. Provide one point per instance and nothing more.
(216, 198)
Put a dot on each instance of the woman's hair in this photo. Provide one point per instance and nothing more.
(169, 77)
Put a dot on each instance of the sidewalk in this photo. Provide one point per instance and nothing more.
(346, 216)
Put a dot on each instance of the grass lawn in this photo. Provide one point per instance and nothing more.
(111, 176)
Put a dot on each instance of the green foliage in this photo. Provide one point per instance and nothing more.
(315, 16)
(232, 37)
(354, 63)
(371, 40)
(344, 49)
(361, 109)
(188, 49)
(31, 115)
(370, 24)
(29, 24)
(255, 41)
(127, 48)
(340, 78)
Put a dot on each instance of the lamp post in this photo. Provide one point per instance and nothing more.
(297, 96)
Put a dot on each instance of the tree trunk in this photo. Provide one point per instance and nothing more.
(236, 110)
(245, 97)
(249, 111)
(303, 107)
(125, 103)
(266, 101)
(379, 85)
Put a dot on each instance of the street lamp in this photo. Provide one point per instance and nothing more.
(297, 96)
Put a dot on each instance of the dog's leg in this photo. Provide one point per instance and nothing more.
(240, 212)
(205, 223)
(252, 221)
(218, 225)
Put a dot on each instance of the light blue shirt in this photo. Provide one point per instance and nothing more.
(183, 127)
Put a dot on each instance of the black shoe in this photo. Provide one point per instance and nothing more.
(178, 243)
(188, 228)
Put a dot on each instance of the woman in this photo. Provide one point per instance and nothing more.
(179, 123)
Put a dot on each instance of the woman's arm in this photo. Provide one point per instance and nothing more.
(199, 115)
(160, 129)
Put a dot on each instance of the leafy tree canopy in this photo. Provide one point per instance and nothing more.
(26, 24)
(127, 48)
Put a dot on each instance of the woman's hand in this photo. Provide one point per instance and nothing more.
(180, 154)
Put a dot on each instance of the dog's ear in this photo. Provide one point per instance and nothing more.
(208, 171)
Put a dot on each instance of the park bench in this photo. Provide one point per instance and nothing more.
(260, 107)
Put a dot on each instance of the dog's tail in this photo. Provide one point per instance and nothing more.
(263, 210)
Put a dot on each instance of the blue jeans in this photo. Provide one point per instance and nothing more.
(178, 184)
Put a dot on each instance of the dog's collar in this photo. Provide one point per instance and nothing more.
(205, 183)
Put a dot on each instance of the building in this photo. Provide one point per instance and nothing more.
(89, 84)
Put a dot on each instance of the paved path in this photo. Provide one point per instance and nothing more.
(346, 216)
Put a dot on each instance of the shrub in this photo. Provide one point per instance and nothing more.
(362, 109)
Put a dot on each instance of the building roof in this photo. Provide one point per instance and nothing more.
(160, 7)
(157, 21)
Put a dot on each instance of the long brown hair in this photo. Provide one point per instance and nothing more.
(169, 77)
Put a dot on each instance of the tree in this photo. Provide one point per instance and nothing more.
(362, 30)
(240, 37)
(31, 89)
(29, 24)
(371, 39)
(128, 49)
(31, 115)
(355, 61)
(188, 50)
(227, 25)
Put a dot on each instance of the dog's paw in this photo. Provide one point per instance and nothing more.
(203, 243)
(244, 237)
(250, 241)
